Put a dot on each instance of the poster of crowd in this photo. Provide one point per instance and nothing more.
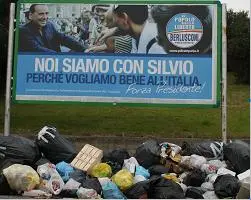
(156, 29)
(117, 53)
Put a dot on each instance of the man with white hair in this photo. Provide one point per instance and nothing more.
(40, 35)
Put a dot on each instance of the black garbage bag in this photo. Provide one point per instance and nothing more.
(162, 188)
(138, 191)
(158, 170)
(69, 193)
(92, 183)
(148, 153)
(195, 178)
(19, 150)
(116, 155)
(54, 146)
(85, 180)
(115, 159)
(238, 154)
(194, 193)
(226, 186)
(78, 175)
(41, 161)
(70, 189)
(209, 149)
(115, 166)
(8, 162)
(4, 187)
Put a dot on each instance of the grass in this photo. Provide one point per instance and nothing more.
(135, 121)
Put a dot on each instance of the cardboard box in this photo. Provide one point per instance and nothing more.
(87, 158)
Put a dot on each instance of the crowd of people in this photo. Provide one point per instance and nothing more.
(121, 29)
(104, 28)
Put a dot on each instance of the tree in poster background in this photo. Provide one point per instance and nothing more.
(238, 45)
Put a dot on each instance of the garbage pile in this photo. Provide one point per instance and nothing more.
(50, 167)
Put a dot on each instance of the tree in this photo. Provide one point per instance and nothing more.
(238, 44)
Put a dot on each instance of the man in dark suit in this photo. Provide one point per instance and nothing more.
(40, 35)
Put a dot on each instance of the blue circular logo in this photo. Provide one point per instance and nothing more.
(184, 30)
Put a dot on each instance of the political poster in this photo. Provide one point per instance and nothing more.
(167, 54)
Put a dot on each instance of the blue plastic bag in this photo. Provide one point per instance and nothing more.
(64, 169)
(111, 191)
(142, 171)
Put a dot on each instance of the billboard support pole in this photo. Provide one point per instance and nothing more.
(224, 75)
(9, 71)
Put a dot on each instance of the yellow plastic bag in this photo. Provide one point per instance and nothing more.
(171, 176)
(21, 177)
(101, 170)
(123, 179)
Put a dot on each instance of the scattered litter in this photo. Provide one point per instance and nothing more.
(157, 170)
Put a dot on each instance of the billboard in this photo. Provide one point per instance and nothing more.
(165, 54)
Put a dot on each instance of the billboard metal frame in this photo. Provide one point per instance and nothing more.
(221, 60)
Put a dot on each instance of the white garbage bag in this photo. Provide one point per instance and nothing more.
(224, 171)
(207, 186)
(52, 180)
(130, 164)
(85, 193)
(197, 161)
(210, 195)
(21, 177)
